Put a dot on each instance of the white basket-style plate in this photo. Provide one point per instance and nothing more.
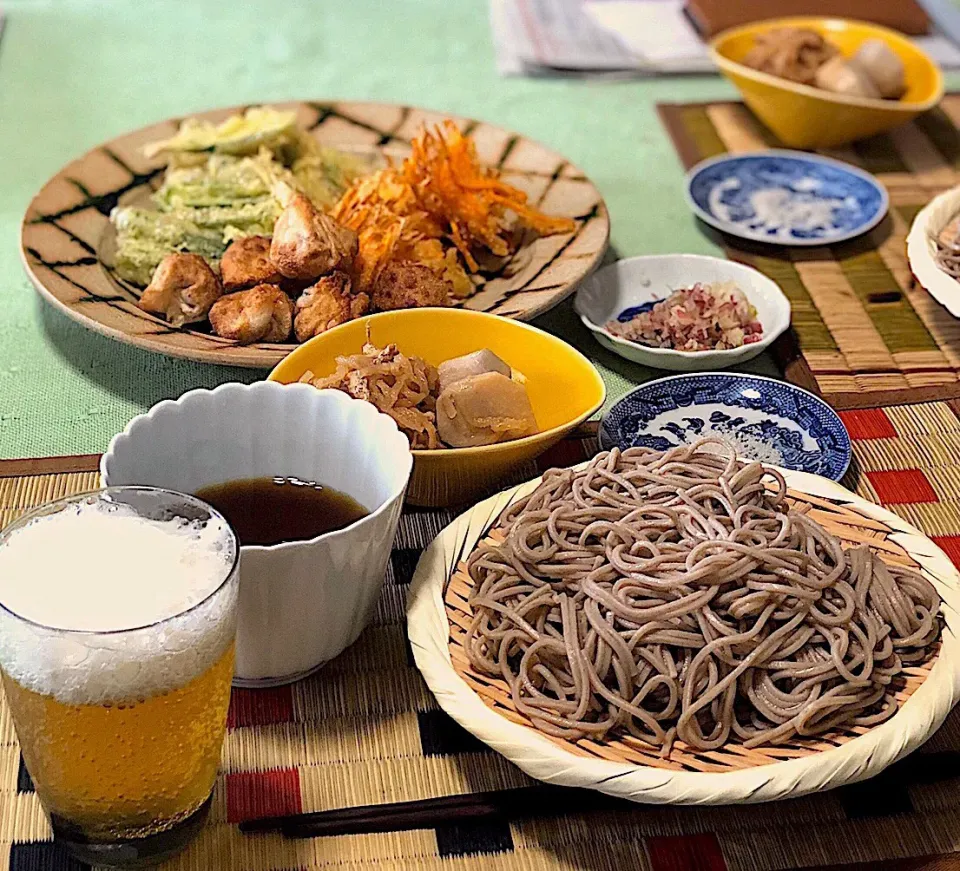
(922, 249)
(540, 757)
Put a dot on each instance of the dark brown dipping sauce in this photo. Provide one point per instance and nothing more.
(270, 510)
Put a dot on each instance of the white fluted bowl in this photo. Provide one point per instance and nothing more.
(303, 602)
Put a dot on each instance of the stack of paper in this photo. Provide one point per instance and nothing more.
(616, 37)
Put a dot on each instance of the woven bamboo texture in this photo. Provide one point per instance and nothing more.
(849, 525)
(864, 334)
(367, 730)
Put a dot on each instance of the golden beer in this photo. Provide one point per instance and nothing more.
(120, 725)
(129, 768)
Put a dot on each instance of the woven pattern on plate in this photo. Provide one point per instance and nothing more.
(366, 730)
(849, 525)
(863, 334)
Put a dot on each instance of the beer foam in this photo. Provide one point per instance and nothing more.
(98, 567)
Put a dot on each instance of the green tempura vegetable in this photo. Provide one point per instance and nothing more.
(323, 174)
(221, 181)
(259, 127)
(221, 185)
(145, 237)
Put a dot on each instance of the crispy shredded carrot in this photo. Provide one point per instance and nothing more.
(441, 192)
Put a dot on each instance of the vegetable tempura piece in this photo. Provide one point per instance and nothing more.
(440, 194)
(145, 237)
(261, 314)
(182, 289)
(458, 368)
(307, 244)
(409, 285)
(328, 304)
(446, 265)
(470, 200)
(222, 181)
(246, 263)
(259, 126)
(484, 410)
(323, 174)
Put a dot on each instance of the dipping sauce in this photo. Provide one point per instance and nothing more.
(268, 511)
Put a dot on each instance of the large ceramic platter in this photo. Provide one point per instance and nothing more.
(66, 235)
(438, 614)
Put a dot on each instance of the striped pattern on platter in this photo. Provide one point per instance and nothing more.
(66, 226)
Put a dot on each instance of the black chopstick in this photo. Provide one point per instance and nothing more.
(524, 802)
(505, 804)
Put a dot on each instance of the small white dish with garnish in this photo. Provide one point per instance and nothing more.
(724, 314)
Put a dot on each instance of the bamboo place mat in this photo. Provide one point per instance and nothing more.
(864, 335)
(365, 730)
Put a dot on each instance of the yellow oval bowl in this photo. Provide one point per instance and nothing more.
(564, 388)
(807, 117)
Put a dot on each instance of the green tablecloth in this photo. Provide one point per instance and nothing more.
(76, 72)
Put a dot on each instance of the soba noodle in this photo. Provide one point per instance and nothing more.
(948, 259)
(948, 249)
(677, 595)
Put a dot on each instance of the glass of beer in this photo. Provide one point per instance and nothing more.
(117, 619)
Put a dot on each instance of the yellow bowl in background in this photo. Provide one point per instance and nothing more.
(564, 387)
(807, 117)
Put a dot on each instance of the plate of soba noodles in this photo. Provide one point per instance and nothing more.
(933, 249)
(687, 627)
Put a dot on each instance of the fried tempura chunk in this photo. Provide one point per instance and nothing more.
(307, 244)
(409, 285)
(246, 263)
(327, 304)
(183, 289)
(261, 314)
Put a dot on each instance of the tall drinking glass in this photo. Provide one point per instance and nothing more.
(117, 622)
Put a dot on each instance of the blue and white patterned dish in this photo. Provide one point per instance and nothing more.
(786, 197)
(765, 419)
